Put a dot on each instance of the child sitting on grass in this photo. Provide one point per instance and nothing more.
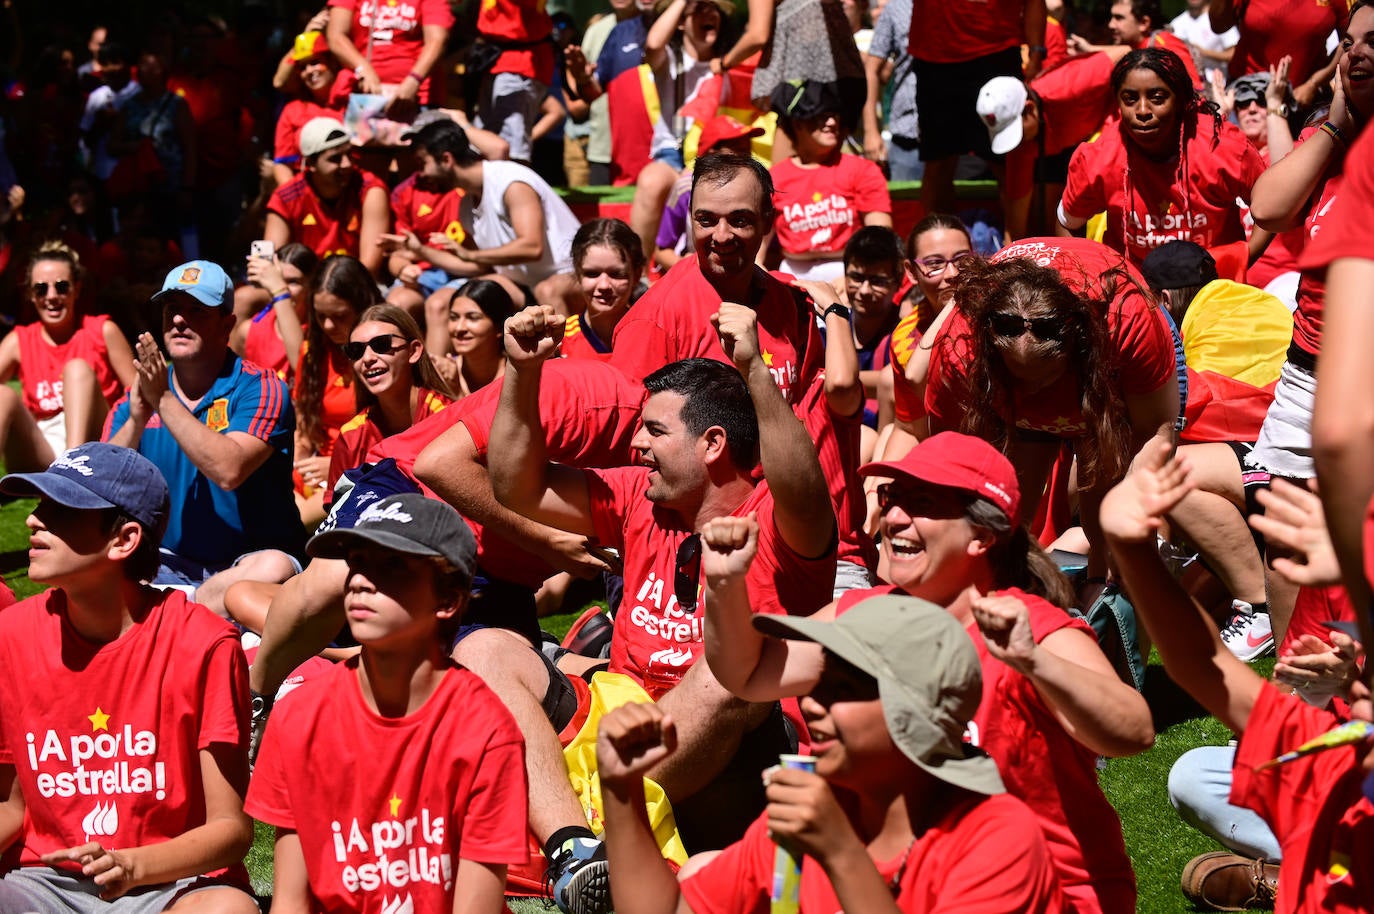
(397, 783)
(124, 714)
(899, 815)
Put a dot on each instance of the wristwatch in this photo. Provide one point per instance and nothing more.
(839, 309)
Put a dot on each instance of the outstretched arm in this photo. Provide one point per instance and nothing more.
(1193, 652)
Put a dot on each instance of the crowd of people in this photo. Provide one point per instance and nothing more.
(328, 396)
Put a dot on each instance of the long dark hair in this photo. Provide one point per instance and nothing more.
(348, 280)
(982, 288)
(422, 374)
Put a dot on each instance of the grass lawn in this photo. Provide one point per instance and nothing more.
(1158, 842)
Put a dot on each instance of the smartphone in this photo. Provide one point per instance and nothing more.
(263, 249)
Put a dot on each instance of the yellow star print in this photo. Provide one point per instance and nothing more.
(816, 197)
(99, 721)
(395, 804)
(768, 358)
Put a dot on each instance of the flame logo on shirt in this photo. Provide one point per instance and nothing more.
(102, 821)
(398, 905)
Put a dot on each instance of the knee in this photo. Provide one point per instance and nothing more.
(1201, 777)
(271, 566)
(437, 305)
(409, 299)
(501, 656)
(77, 373)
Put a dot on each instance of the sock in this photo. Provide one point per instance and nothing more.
(563, 835)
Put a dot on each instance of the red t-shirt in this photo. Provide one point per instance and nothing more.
(946, 869)
(821, 207)
(323, 226)
(41, 364)
(340, 401)
(386, 807)
(263, 346)
(672, 322)
(295, 114)
(1142, 360)
(1056, 44)
(907, 406)
(1150, 203)
(953, 31)
(1052, 772)
(358, 435)
(106, 739)
(1273, 29)
(1075, 99)
(655, 641)
(590, 413)
(418, 209)
(581, 342)
(1337, 226)
(519, 21)
(396, 33)
(1324, 823)
(837, 445)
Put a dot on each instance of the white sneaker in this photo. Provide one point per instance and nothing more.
(1248, 635)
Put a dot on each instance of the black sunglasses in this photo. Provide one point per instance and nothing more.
(1011, 326)
(40, 289)
(381, 345)
(686, 572)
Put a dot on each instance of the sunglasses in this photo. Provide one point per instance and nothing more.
(935, 265)
(382, 345)
(1012, 326)
(686, 572)
(62, 287)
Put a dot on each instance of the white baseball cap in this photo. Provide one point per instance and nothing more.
(322, 133)
(1000, 103)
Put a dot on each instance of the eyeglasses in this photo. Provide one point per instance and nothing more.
(687, 572)
(382, 345)
(935, 264)
(876, 281)
(62, 287)
(1012, 326)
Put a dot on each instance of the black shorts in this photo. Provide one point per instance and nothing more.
(947, 103)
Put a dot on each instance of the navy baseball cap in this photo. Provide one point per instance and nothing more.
(204, 281)
(98, 476)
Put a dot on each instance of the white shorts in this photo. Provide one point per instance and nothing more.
(1284, 447)
(54, 431)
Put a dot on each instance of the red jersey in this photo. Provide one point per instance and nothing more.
(945, 869)
(326, 227)
(263, 346)
(655, 640)
(339, 402)
(953, 31)
(519, 21)
(386, 807)
(907, 406)
(295, 114)
(1273, 29)
(590, 413)
(391, 34)
(1324, 823)
(837, 445)
(1047, 768)
(672, 322)
(1142, 358)
(581, 342)
(41, 364)
(416, 208)
(1150, 203)
(358, 435)
(1336, 227)
(821, 207)
(1056, 44)
(1075, 99)
(106, 739)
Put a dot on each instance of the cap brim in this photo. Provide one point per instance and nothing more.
(202, 296)
(60, 489)
(1008, 138)
(336, 543)
(930, 472)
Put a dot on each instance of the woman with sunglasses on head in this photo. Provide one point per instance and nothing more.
(1056, 341)
(70, 367)
(475, 318)
(1169, 169)
(397, 384)
(340, 291)
(951, 534)
(273, 337)
(608, 262)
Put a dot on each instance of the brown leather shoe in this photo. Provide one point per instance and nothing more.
(1222, 881)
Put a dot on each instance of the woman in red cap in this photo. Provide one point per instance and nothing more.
(1051, 704)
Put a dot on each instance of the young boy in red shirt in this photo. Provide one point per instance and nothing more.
(124, 720)
(397, 783)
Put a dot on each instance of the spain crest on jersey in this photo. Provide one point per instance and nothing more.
(217, 418)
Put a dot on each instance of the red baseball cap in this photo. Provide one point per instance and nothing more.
(959, 462)
(722, 129)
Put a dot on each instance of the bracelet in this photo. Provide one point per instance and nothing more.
(416, 76)
(1038, 49)
(280, 297)
(1334, 132)
(836, 308)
